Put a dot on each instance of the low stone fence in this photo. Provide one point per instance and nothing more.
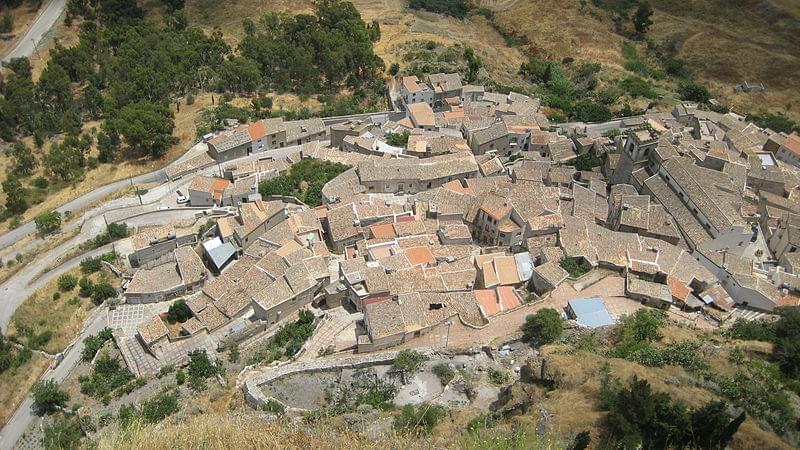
(256, 397)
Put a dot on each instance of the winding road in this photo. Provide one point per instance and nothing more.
(47, 17)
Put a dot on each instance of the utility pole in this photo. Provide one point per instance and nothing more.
(140, 195)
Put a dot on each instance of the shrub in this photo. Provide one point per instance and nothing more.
(67, 282)
(87, 287)
(637, 87)
(456, 8)
(787, 341)
(577, 267)
(543, 327)
(418, 420)
(680, 354)
(409, 361)
(40, 182)
(233, 354)
(62, 433)
(444, 373)
(159, 407)
(274, 407)
(498, 377)
(47, 397)
(91, 265)
(752, 330)
(637, 331)
(180, 377)
(638, 417)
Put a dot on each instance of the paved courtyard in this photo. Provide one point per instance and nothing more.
(127, 317)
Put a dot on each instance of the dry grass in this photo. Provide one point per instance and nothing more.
(15, 384)
(574, 402)
(63, 317)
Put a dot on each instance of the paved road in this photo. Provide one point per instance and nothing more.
(44, 22)
(25, 415)
(80, 203)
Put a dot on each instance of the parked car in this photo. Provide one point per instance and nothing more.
(182, 199)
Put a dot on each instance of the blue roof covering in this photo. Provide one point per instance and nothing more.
(591, 312)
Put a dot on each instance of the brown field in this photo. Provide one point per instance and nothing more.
(15, 384)
(64, 317)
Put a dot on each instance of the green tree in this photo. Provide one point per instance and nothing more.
(48, 222)
(63, 433)
(103, 291)
(240, 74)
(694, 91)
(409, 361)
(641, 18)
(394, 69)
(543, 327)
(146, 127)
(179, 312)
(24, 160)
(787, 341)
(6, 22)
(16, 195)
(66, 160)
(47, 397)
(474, 64)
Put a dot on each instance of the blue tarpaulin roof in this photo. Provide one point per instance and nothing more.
(591, 312)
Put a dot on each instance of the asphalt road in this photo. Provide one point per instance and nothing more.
(81, 202)
(25, 414)
(44, 22)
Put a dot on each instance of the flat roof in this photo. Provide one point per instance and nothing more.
(591, 312)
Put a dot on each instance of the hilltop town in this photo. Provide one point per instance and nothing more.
(442, 225)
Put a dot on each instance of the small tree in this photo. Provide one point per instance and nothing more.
(543, 327)
(47, 396)
(48, 222)
(103, 291)
(409, 361)
(394, 69)
(641, 19)
(179, 312)
(7, 22)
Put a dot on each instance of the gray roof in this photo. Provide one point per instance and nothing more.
(219, 253)
(591, 312)
(495, 131)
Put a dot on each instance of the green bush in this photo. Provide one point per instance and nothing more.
(637, 331)
(67, 282)
(752, 330)
(418, 420)
(48, 222)
(694, 91)
(200, 368)
(637, 87)
(91, 265)
(102, 291)
(444, 373)
(87, 287)
(61, 434)
(274, 407)
(577, 267)
(159, 407)
(456, 8)
(498, 377)
(787, 341)
(12, 357)
(544, 327)
(683, 354)
(180, 377)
